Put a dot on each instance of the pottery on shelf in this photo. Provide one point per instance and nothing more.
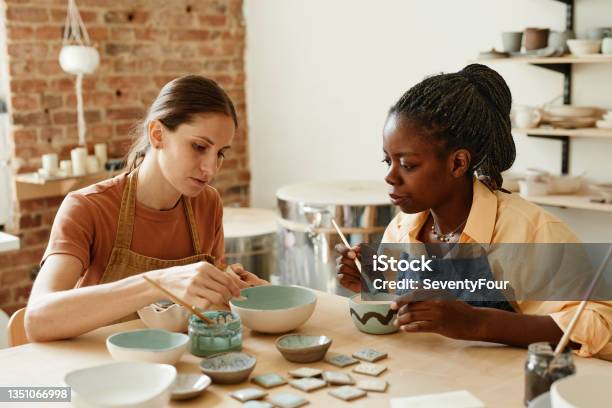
(373, 316)
(303, 348)
(127, 384)
(150, 345)
(584, 47)
(274, 308)
(228, 368)
(536, 38)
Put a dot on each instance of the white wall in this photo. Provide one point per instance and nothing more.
(321, 75)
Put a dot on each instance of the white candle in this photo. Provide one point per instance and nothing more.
(92, 164)
(79, 161)
(66, 167)
(49, 163)
(101, 153)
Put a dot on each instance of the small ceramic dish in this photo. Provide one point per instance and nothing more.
(303, 348)
(189, 386)
(228, 368)
(151, 345)
(274, 308)
(165, 315)
(133, 385)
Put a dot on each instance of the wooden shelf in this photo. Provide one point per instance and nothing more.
(585, 132)
(566, 59)
(30, 186)
(581, 202)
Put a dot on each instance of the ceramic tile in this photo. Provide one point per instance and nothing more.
(373, 385)
(369, 369)
(369, 355)
(341, 360)
(247, 394)
(288, 400)
(338, 378)
(269, 380)
(308, 384)
(347, 393)
(305, 372)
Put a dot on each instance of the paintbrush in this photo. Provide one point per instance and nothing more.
(568, 332)
(192, 309)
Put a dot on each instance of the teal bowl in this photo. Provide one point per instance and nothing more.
(274, 308)
(150, 345)
(373, 316)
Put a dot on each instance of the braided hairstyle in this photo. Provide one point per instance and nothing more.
(469, 109)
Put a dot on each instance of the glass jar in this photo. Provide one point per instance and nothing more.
(207, 339)
(540, 374)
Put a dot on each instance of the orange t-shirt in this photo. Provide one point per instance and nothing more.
(86, 225)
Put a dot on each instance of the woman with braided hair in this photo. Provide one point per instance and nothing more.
(446, 143)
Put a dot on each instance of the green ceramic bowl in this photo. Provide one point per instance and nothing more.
(151, 345)
(274, 308)
(373, 316)
(303, 348)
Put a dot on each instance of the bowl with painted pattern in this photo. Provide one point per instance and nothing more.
(373, 314)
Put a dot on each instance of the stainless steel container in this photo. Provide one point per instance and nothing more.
(307, 238)
(251, 238)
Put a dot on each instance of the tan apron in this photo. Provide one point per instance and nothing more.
(124, 262)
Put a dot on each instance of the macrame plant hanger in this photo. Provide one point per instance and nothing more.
(78, 57)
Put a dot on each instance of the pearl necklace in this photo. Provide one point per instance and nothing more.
(445, 237)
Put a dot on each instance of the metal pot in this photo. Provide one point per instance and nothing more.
(251, 237)
(307, 238)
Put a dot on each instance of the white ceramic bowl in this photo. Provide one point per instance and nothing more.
(564, 184)
(174, 318)
(584, 47)
(581, 391)
(150, 345)
(529, 188)
(133, 385)
(273, 308)
(571, 111)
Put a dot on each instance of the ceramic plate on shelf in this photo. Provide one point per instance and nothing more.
(189, 386)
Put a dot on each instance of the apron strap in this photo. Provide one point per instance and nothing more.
(192, 225)
(127, 213)
(125, 228)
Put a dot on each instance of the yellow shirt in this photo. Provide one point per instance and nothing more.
(498, 217)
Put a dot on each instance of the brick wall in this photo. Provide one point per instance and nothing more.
(143, 44)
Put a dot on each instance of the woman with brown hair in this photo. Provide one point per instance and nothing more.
(161, 218)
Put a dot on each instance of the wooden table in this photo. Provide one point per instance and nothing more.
(418, 363)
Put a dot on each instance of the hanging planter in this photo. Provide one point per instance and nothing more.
(79, 58)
